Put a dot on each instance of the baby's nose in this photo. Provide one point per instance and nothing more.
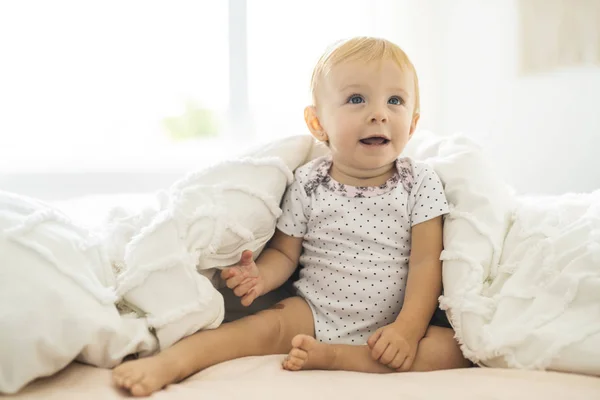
(378, 117)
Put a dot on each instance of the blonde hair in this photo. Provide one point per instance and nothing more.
(365, 49)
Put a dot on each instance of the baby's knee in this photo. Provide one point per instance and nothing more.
(269, 328)
(439, 350)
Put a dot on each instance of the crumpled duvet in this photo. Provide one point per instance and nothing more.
(167, 256)
(521, 275)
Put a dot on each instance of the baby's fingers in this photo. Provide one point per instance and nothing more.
(231, 272)
(406, 365)
(388, 355)
(234, 279)
(374, 338)
(379, 348)
(397, 361)
(249, 298)
(246, 258)
(244, 287)
(227, 273)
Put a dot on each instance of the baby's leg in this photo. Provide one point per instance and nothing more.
(268, 332)
(437, 350)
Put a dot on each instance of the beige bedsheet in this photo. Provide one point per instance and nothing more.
(262, 378)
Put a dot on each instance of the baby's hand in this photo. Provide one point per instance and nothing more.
(392, 346)
(244, 278)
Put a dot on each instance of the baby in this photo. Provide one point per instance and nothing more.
(366, 227)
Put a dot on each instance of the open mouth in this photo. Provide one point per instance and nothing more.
(375, 141)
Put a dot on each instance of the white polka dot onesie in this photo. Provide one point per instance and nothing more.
(356, 244)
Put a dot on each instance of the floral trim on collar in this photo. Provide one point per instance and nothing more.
(320, 176)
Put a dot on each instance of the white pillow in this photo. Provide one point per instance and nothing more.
(56, 303)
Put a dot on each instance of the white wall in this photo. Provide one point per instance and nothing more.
(542, 132)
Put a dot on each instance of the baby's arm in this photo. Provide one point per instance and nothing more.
(424, 284)
(279, 260)
(249, 279)
(395, 345)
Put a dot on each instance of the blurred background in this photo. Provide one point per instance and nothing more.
(126, 96)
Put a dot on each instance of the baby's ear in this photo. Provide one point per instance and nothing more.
(413, 125)
(313, 124)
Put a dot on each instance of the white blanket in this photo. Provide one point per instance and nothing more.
(521, 276)
(546, 289)
(59, 282)
(169, 254)
(506, 310)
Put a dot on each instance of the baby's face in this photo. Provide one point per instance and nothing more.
(366, 110)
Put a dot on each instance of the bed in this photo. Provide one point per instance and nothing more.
(263, 377)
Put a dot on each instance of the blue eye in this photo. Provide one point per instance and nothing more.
(356, 99)
(395, 100)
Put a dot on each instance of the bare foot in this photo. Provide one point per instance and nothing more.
(147, 375)
(308, 353)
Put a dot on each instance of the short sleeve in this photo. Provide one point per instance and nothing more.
(427, 196)
(295, 212)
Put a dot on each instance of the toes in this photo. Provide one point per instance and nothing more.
(296, 364)
(119, 375)
(125, 378)
(143, 377)
(298, 353)
(117, 379)
(131, 380)
(295, 360)
(139, 390)
(146, 386)
(292, 364)
(120, 380)
(128, 382)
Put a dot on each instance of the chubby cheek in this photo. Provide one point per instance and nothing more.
(345, 125)
(346, 131)
(402, 127)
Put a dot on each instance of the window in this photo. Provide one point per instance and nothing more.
(110, 84)
(147, 87)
